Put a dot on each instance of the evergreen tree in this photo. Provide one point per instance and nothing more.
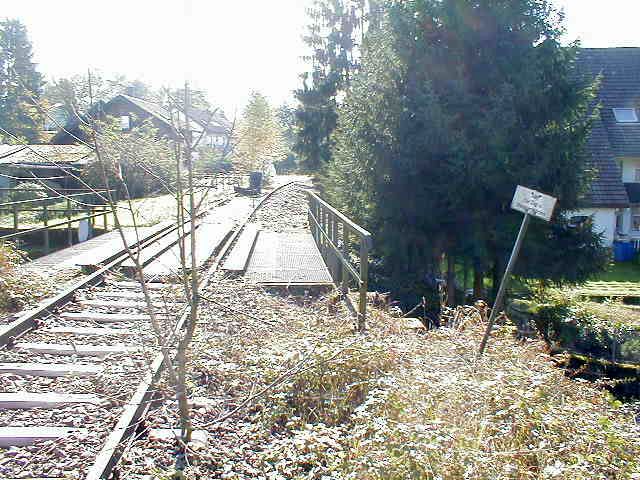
(286, 117)
(20, 85)
(456, 104)
(332, 39)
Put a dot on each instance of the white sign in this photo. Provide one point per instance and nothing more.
(83, 230)
(533, 203)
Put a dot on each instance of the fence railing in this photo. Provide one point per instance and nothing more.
(333, 233)
(89, 204)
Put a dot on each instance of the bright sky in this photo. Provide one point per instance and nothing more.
(234, 45)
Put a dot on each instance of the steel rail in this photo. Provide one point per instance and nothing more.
(109, 456)
(28, 321)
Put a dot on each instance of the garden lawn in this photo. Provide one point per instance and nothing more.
(621, 272)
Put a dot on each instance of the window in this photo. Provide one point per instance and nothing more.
(125, 123)
(625, 115)
(635, 219)
(620, 222)
(637, 175)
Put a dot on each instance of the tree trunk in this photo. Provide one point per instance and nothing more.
(451, 280)
(495, 275)
(478, 283)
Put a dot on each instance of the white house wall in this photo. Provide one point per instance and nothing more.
(629, 166)
(604, 221)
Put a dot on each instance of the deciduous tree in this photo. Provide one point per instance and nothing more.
(259, 141)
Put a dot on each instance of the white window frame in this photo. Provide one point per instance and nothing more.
(625, 115)
(637, 174)
(635, 219)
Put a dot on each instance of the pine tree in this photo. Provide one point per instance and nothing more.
(332, 38)
(20, 85)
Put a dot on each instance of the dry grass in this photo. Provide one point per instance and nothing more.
(394, 404)
(616, 312)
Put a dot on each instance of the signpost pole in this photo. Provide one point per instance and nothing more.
(504, 282)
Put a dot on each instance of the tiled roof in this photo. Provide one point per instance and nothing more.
(216, 124)
(154, 109)
(24, 155)
(619, 72)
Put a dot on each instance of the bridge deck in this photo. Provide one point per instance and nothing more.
(94, 249)
(290, 258)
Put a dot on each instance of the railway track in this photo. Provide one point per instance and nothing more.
(78, 373)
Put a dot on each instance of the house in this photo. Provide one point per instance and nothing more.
(132, 111)
(57, 163)
(613, 148)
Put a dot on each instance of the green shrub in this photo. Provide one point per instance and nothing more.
(569, 323)
(137, 162)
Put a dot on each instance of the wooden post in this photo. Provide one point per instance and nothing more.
(364, 283)
(15, 218)
(45, 218)
(91, 222)
(69, 231)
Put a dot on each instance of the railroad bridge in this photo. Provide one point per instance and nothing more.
(104, 320)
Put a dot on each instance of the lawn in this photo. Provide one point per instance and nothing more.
(621, 272)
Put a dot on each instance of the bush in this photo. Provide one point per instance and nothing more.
(28, 191)
(570, 323)
(137, 162)
(16, 289)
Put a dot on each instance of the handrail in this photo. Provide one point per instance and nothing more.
(44, 199)
(350, 223)
(49, 227)
(331, 230)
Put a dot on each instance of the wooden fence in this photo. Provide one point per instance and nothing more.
(335, 235)
(77, 201)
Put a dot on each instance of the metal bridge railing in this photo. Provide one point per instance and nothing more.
(333, 233)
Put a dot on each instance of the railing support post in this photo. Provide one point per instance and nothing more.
(334, 257)
(345, 253)
(364, 284)
(45, 219)
(69, 231)
(15, 218)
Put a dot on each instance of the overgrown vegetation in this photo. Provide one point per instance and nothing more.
(607, 331)
(16, 288)
(395, 404)
(139, 161)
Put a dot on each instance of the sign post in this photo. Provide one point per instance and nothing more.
(531, 203)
